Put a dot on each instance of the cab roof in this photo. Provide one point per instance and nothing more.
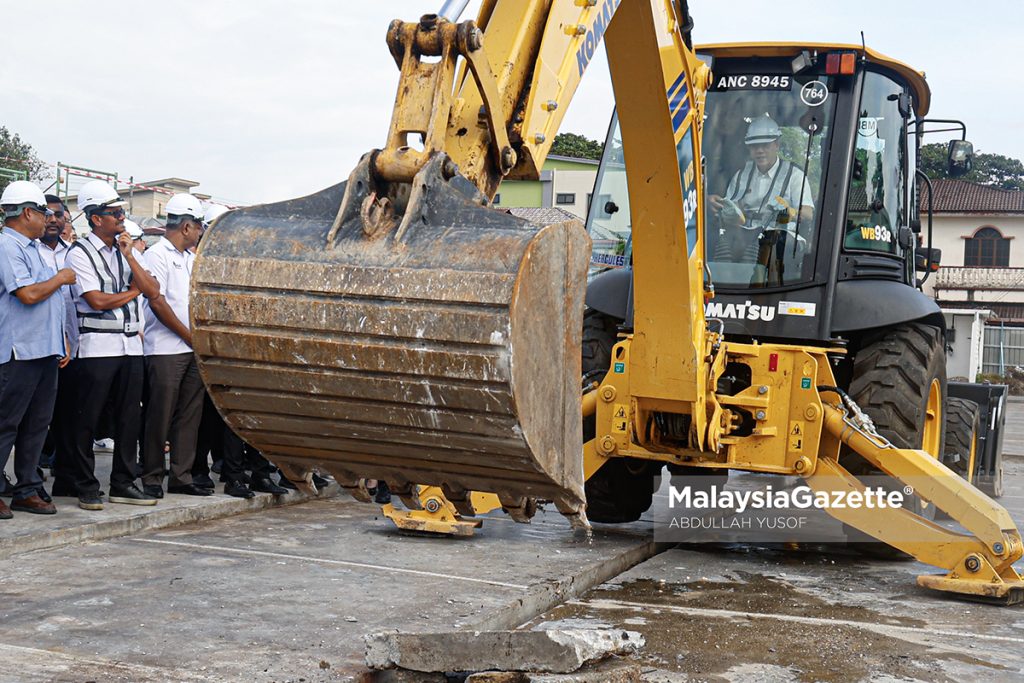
(915, 79)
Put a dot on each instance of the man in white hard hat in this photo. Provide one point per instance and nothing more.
(175, 401)
(212, 213)
(35, 316)
(135, 232)
(55, 255)
(766, 187)
(109, 368)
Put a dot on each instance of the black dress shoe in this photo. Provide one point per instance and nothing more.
(129, 495)
(91, 501)
(190, 490)
(238, 490)
(286, 482)
(383, 494)
(41, 492)
(153, 490)
(203, 481)
(267, 485)
(320, 482)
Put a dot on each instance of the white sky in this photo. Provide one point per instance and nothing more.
(261, 100)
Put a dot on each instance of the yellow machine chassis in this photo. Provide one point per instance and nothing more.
(797, 433)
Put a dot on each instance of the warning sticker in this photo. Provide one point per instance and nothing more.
(619, 417)
(796, 436)
(804, 308)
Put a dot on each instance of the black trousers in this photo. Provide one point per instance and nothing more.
(61, 411)
(240, 456)
(173, 411)
(108, 387)
(28, 390)
(210, 442)
(217, 440)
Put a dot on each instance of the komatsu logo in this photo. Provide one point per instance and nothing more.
(595, 33)
(745, 311)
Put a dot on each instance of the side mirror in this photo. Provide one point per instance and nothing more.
(961, 158)
(921, 259)
(610, 208)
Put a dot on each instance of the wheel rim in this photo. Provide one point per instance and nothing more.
(933, 420)
(932, 440)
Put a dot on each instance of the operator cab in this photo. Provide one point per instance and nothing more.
(810, 202)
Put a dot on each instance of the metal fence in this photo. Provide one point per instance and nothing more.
(1004, 348)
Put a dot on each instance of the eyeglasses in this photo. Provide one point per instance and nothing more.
(116, 213)
(42, 209)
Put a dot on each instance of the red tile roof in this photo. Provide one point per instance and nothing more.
(960, 196)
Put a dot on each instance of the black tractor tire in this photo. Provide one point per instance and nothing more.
(622, 490)
(892, 376)
(962, 427)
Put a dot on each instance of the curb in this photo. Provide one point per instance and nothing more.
(546, 595)
(154, 518)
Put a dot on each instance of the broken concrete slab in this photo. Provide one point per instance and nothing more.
(602, 672)
(551, 651)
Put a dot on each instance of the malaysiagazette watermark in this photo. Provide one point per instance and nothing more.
(799, 498)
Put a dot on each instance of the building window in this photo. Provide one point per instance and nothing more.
(565, 198)
(497, 199)
(987, 248)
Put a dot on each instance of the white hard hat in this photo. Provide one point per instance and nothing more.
(184, 204)
(22, 192)
(213, 212)
(761, 130)
(133, 229)
(97, 193)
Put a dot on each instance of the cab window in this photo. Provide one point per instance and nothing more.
(876, 203)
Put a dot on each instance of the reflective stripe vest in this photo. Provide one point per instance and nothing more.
(123, 320)
(756, 215)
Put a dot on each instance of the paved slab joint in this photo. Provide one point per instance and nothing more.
(550, 651)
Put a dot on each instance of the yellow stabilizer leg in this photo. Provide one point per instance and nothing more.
(438, 515)
(979, 564)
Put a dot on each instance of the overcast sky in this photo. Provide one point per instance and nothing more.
(261, 100)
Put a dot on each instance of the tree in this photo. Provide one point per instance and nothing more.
(995, 170)
(18, 155)
(576, 146)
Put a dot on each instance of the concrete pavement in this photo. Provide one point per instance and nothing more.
(71, 524)
(282, 595)
(286, 594)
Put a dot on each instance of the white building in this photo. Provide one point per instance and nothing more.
(976, 227)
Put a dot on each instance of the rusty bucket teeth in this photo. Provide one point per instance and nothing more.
(447, 357)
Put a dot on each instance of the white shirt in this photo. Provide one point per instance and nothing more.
(54, 257)
(98, 344)
(173, 270)
(755, 201)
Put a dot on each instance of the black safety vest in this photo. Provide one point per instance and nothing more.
(124, 320)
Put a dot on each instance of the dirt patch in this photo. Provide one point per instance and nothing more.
(754, 593)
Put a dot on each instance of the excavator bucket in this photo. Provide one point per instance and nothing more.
(416, 339)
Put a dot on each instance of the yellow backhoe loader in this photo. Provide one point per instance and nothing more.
(397, 327)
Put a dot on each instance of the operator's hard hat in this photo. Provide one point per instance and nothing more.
(185, 204)
(22, 192)
(213, 212)
(96, 194)
(133, 229)
(761, 130)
